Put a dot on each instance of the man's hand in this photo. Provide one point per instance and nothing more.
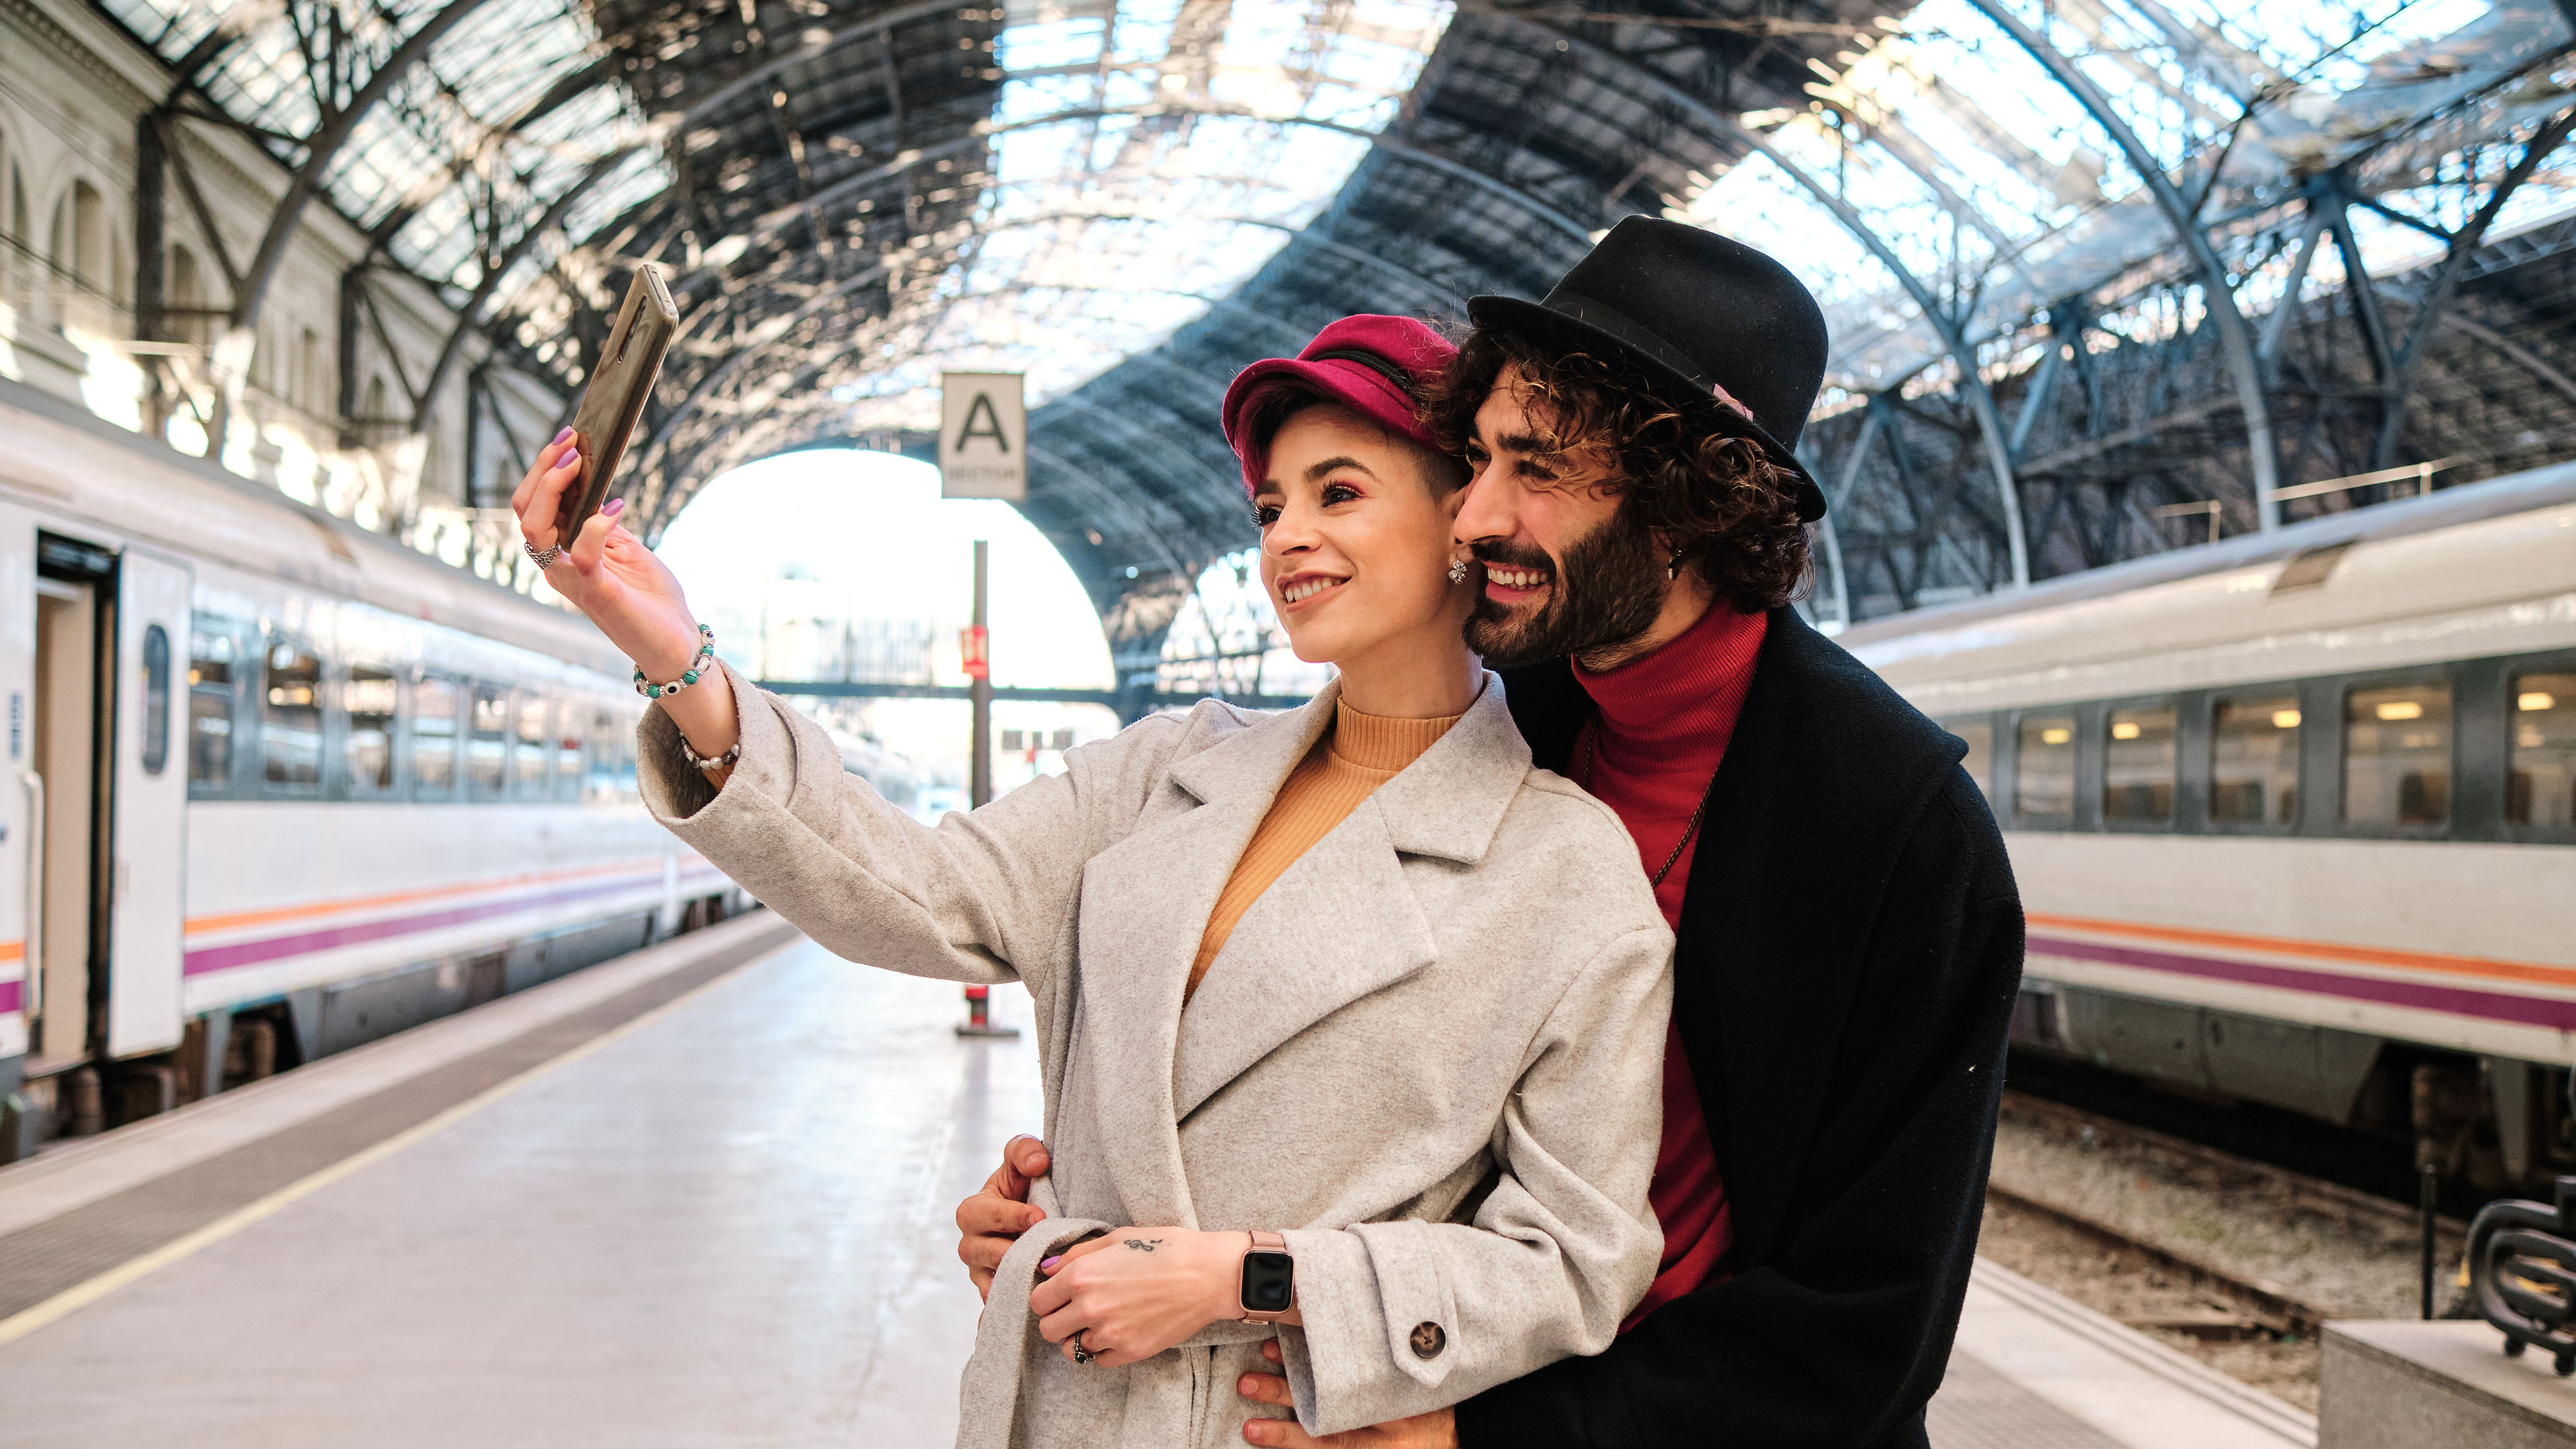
(993, 1219)
(1435, 1430)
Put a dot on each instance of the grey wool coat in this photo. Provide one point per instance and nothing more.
(1430, 1054)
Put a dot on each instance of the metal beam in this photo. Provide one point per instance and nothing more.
(496, 268)
(849, 186)
(2437, 297)
(2235, 339)
(1972, 382)
(322, 150)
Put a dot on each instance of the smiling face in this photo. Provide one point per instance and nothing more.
(1567, 569)
(1355, 543)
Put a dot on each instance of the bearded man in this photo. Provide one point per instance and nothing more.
(1849, 939)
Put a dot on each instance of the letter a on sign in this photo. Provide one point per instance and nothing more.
(983, 436)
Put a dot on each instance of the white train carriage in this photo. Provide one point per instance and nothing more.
(277, 786)
(2294, 815)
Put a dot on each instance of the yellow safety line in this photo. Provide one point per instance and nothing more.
(80, 1295)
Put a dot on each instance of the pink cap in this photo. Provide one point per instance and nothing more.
(1373, 365)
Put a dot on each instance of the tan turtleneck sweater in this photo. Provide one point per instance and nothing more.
(1358, 754)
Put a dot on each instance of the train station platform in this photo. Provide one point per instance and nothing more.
(701, 1195)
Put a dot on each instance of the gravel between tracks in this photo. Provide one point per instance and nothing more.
(2239, 1222)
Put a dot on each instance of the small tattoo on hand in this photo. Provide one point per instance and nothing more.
(1143, 1245)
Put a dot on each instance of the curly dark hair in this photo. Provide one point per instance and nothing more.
(1726, 510)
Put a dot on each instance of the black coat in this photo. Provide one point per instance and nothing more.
(1849, 951)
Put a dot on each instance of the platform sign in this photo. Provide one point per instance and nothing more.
(974, 646)
(983, 436)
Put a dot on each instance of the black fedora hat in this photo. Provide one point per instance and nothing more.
(1693, 313)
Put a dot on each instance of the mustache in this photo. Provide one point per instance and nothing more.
(1512, 556)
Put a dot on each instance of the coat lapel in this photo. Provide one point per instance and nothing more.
(1145, 905)
(1337, 925)
(1341, 922)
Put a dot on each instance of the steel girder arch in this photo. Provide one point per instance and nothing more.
(2430, 308)
(322, 149)
(2236, 339)
(1963, 355)
(468, 316)
(851, 186)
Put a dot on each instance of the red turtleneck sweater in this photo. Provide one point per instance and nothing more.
(1650, 755)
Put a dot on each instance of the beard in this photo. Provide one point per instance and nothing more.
(1607, 590)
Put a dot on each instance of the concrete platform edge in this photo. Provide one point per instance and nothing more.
(77, 1174)
(2242, 1400)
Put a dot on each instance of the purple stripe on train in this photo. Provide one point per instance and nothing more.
(9, 996)
(2489, 1005)
(250, 953)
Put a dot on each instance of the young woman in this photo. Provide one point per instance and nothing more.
(1351, 1022)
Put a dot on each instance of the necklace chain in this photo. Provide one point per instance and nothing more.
(1591, 743)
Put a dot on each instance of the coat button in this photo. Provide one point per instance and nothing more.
(1428, 1340)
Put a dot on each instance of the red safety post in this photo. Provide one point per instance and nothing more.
(979, 1015)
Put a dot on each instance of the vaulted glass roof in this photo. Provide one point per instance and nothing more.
(1131, 199)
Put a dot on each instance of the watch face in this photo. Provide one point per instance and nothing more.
(1269, 1282)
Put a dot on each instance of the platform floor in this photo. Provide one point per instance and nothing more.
(700, 1196)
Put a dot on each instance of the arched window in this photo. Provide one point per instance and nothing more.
(80, 255)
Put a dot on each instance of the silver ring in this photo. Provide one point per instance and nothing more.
(545, 559)
(1081, 1354)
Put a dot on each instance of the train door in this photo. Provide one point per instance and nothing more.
(64, 784)
(150, 806)
(20, 992)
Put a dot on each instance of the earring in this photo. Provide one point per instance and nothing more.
(1673, 570)
(1457, 571)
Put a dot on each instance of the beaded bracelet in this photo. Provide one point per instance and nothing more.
(688, 676)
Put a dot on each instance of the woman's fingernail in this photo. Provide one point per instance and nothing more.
(559, 437)
(612, 508)
(1047, 1265)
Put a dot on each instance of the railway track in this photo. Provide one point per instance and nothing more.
(2262, 1303)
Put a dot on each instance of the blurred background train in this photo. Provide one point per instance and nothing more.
(276, 786)
(2294, 816)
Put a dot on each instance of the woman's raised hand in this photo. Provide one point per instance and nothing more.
(607, 572)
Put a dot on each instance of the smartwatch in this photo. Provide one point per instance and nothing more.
(1268, 1291)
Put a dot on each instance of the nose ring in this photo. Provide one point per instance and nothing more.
(1458, 571)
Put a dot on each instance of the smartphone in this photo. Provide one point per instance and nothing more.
(614, 399)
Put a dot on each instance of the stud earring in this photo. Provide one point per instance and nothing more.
(1457, 571)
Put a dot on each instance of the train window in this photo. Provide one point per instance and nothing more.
(2138, 759)
(210, 705)
(2397, 755)
(2254, 760)
(290, 726)
(487, 759)
(1979, 732)
(370, 696)
(156, 699)
(433, 738)
(532, 771)
(2044, 773)
(568, 753)
(2541, 790)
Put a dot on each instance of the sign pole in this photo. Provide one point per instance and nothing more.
(979, 777)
